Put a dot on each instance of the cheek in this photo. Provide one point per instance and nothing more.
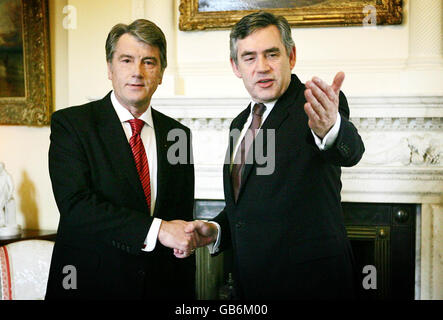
(248, 83)
(156, 78)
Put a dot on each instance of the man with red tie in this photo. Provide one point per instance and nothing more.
(122, 203)
(285, 227)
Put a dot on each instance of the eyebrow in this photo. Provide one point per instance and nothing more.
(125, 56)
(273, 49)
(247, 53)
(150, 58)
(132, 57)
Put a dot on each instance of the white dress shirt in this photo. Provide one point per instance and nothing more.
(322, 144)
(147, 136)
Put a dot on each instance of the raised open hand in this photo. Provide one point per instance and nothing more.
(322, 103)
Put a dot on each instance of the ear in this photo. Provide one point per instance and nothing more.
(109, 70)
(292, 57)
(235, 68)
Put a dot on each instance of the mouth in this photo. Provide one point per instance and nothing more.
(265, 83)
(135, 85)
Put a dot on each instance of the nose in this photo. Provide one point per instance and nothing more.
(262, 64)
(137, 70)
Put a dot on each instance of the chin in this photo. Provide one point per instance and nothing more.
(137, 98)
(265, 99)
(266, 96)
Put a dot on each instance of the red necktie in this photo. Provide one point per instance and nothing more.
(240, 156)
(140, 158)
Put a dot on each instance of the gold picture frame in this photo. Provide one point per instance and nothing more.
(32, 106)
(315, 13)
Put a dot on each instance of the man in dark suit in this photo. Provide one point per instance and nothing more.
(122, 197)
(285, 226)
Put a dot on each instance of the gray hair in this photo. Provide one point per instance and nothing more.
(145, 31)
(258, 20)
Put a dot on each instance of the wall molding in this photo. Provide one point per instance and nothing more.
(397, 113)
(369, 123)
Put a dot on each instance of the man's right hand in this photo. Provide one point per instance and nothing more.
(172, 235)
(206, 232)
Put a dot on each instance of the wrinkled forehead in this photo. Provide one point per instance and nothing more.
(261, 39)
(129, 45)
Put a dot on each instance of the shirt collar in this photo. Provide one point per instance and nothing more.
(269, 106)
(124, 114)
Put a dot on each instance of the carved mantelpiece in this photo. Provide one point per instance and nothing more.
(403, 137)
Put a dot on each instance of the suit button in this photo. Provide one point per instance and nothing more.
(141, 273)
(239, 224)
(344, 149)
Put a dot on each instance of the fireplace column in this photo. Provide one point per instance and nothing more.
(431, 252)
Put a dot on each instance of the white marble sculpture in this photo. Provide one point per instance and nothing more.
(8, 224)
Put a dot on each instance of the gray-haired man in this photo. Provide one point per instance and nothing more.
(122, 203)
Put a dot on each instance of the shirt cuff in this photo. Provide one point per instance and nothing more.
(329, 139)
(151, 238)
(213, 247)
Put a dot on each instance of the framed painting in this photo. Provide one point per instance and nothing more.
(25, 76)
(221, 14)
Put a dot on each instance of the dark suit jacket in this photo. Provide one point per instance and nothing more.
(286, 229)
(104, 217)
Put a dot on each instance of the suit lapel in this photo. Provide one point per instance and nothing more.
(117, 146)
(161, 133)
(114, 138)
(274, 120)
(237, 125)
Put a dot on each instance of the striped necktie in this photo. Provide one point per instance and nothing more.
(240, 156)
(140, 158)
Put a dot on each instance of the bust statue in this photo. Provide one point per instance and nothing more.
(8, 224)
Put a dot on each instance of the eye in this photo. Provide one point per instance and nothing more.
(150, 63)
(126, 61)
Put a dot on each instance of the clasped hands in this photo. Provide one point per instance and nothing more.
(184, 237)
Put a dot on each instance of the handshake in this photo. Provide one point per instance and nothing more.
(184, 237)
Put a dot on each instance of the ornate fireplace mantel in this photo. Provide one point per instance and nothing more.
(403, 137)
